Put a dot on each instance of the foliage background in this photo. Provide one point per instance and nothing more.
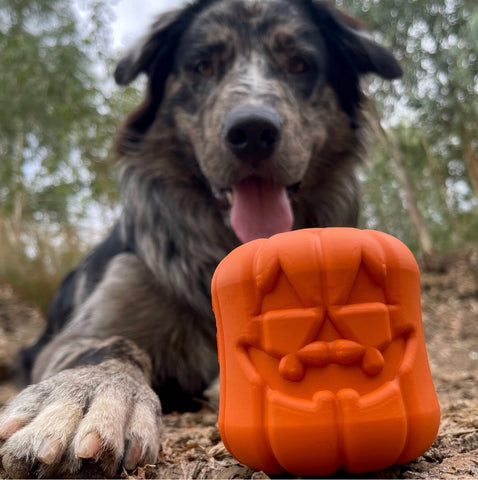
(59, 110)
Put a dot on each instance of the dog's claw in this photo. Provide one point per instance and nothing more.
(89, 446)
(49, 450)
(133, 455)
(10, 427)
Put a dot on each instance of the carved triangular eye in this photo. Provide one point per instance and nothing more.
(286, 331)
(366, 323)
(282, 268)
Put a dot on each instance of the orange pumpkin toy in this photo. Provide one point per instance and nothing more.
(322, 353)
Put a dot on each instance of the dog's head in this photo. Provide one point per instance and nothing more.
(263, 95)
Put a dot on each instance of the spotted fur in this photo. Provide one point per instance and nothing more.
(135, 316)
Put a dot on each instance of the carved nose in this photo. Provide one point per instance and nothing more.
(252, 133)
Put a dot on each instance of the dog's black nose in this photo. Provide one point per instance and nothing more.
(252, 133)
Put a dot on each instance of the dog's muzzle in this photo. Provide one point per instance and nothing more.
(259, 206)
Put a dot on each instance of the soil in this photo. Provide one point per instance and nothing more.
(192, 447)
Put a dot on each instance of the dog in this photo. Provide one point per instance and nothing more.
(253, 122)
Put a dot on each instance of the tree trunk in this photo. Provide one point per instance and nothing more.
(411, 201)
(423, 236)
(471, 161)
(441, 185)
(18, 195)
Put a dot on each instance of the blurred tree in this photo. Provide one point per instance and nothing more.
(433, 111)
(55, 121)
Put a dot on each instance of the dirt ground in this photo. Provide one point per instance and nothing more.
(192, 447)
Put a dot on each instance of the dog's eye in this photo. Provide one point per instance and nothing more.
(297, 66)
(205, 68)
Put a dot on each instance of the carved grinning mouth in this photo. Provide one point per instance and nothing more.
(319, 354)
(308, 370)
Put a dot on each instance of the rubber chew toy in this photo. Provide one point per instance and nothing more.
(322, 354)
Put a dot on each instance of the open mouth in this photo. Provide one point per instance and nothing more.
(259, 208)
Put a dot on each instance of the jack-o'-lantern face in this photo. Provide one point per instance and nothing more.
(321, 344)
(325, 318)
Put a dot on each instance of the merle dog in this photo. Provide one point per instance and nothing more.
(253, 123)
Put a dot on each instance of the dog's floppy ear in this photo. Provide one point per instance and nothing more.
(351, 54)
(368, 56)
(150, 49)
(155, 51)
(361, 51)
(373, 58)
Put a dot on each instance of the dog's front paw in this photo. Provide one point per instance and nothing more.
(84, 414)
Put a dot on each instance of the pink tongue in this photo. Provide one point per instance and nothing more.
(260, 209)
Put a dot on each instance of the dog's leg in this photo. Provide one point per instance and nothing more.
(93, 398)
